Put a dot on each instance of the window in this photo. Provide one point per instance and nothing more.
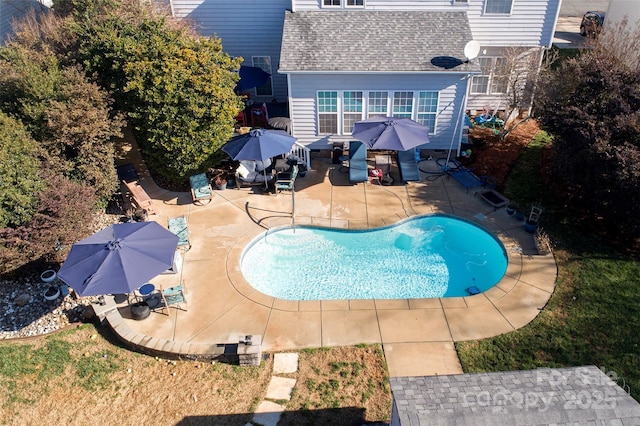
(351, 110)
(338, 111)
(342, 3)
(402, 104)
(498, 6)
(327, 112)
(427, 110)
(491, 80)
(378, 104)
(263, 62)
(499, 79)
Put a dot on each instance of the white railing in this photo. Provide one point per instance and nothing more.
(302, 153)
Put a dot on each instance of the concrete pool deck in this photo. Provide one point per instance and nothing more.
(417, 335)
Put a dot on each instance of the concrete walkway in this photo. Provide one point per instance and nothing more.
(418, 335)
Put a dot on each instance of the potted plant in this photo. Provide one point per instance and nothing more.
(511, 208)
(220, 181)
(52, 293)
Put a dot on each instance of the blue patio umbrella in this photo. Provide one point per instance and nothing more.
(251, 77)
(394, 133)
(259, 145)
(119, 258)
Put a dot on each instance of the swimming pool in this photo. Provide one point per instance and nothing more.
(422, 257)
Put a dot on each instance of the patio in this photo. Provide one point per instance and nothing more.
(418, 335)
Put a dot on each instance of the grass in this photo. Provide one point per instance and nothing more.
(82, 376)
(593, 317)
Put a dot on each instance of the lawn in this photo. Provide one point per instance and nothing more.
(593, 317)
(84, 376)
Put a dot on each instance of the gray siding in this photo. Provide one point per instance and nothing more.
(411, 5)
(305, 86)
(531, 23)
(247, 28)
(619, 9)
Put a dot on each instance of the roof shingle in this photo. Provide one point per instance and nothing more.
(373, 41)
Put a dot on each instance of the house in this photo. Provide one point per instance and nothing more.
(339, 61)
(623, 9)
(16, 9)
(560, 396)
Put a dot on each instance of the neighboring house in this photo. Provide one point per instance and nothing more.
(16, 9)
(560, 396)
(621, 9)
(340, 61)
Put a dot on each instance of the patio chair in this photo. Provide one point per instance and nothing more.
(287, 180)
(358, 169)
(408, 166)
(201, 191)
(383, 164)
(173, 296)
(178, 225)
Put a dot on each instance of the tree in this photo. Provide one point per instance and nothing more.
(518, 71)
(64, 215)
(69, 116)
(177, 90)
(595, 117)
(19, 179)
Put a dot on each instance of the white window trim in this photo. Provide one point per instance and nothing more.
(343, 5)
(337, 112)
(339, 131)
(484, 10)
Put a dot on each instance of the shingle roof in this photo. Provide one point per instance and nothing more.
(366, 40)
(562, 396)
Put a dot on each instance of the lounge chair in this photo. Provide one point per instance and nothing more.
(358, 169)
(140, 196)
(201, 191)
(466, 177)
(178, 226)
(408, 166)
(287, 180)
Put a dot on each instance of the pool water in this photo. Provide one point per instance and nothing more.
(423, 257)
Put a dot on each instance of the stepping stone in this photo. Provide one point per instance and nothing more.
(268, 413)
(285, 363)
(280, 388)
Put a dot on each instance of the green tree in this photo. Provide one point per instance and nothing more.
(69, 116)
(19, 179)
(177, 89)
(595, 116)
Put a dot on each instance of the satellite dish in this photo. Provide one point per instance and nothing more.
(471, 50)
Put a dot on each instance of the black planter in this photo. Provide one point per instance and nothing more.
(140, 311)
